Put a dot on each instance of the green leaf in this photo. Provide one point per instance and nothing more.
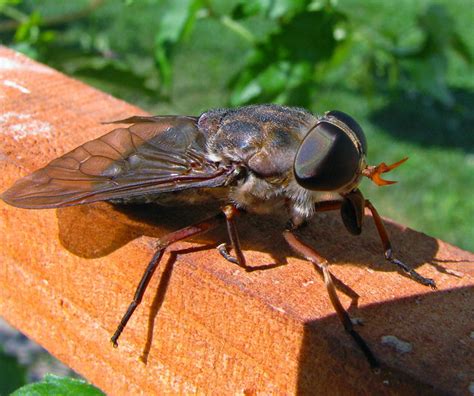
(27, 49)
(177, 20)
(461, 48)
(4, 3)
(272, 9)
(29, 29)
(283, 65)
(175, 24)
(12, 374)
(53, 385)
(9, 11)
(238, 29)
(163, 63)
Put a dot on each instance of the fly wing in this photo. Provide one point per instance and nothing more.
(151, 156)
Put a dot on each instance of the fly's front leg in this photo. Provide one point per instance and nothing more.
(322, 264)
(333, 205)
(230, 211)
(162, 244)
(388, 249)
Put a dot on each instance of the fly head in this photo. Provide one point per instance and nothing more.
(331, 157)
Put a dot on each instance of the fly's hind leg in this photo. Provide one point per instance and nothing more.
(230, 211)
(322, 264)
(162, 244)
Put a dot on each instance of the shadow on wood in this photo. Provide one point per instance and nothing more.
(96, 230)
(440, 361)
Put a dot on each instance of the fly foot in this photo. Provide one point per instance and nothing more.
(224, 251)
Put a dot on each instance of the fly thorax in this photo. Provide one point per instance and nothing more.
(256, 195)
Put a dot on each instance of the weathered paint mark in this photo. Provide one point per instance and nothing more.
(307, 283)
(13, 84)
(20, 126)
(10, 64)
(276, 308)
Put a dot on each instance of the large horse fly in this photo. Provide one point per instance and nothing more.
(256, 159)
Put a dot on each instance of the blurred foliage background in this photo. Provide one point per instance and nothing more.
(403, 69)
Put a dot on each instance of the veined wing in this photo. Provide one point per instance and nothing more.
(151, 156)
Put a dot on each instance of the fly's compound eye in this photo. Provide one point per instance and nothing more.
(342, 119)
(329, 158)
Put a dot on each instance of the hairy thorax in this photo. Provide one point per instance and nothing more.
(267, 196)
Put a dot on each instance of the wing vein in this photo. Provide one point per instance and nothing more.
(112, 147)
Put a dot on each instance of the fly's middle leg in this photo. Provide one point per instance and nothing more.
(321, 264)
(230, 211)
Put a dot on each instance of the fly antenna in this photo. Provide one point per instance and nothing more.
(374, 172)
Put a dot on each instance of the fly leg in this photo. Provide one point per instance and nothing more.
(388, 249)
(162, 244)
(322, 264)
(230, 211)
(334, 205)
